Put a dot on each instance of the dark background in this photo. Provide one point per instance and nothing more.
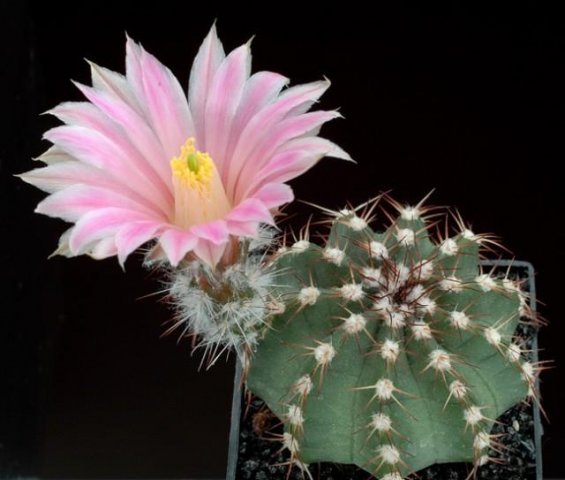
(465, 99)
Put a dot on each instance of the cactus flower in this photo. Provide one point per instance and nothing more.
(139, 160)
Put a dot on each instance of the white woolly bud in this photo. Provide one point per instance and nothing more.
(294, 415)
(334, 255)
(528, 372)
(384, 388)
(402, 273)
(378, 250)
(308, 296)
(352, 292)
(383, 304)
(481, 441)
(372, 276)
(458, 389)
(300, 246)
(290, 443)
(513, 352)
(415, 293)
(357, 223)
(426, 305)
(276, 307)
(473, 415)
(381, 422)
(439, 360)
(459, 320)
(324, 353)
(493, 336)
(451, 285)
(395, 319)
(410, 213)
(282, 250)
(449, 247)
(406, 236)
(354, 323)
(390, 350)
(424, 270)
(389, 454)
(421, 331)
(303, 386)
(486, 282)
(345, 212)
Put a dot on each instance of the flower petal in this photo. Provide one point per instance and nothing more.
(208, 59)
(224, 96)
(215, 232)
(209, 252)
(286, 130)
(161, 95)
(114, 84)
(135, 128)
(274, 195)
(110, 154)
(73, 202)
(176, 244)
(100, 224)
(263, 121)
(131, 236)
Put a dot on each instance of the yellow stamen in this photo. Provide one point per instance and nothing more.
(192, 167)
(199, 194)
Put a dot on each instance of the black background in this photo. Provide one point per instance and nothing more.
(466, 99)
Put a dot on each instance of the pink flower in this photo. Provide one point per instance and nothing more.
(138, 161)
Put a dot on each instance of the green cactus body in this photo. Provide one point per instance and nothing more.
(394, 352)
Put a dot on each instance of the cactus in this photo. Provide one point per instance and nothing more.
(394, 351)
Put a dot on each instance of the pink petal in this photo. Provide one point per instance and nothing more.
(244, 219)
(176, 244)
(206, 63)
(99, 224)
(166, 104)
(295, 158)
(274, 195)
(73, 202)
(103, 249)
(250, 209)
(54, 154)
(260, 90)
(113, 156)
(113, 84)
(225, 93)
(209, 252)
(135, 128)
(215, 232)
(60, 175)
(131, 236)
(286, 130)
(264, 120)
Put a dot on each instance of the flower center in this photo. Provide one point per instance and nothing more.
(199, 194)
(193, 168)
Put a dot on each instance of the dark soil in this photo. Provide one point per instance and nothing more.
(262, 459)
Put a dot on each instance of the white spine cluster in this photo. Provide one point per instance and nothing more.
(355, 323)
(389, 454)
(378, 250)
(334, 255)
(449, 247)
(324, 353)
(406, 236)
(308, 296)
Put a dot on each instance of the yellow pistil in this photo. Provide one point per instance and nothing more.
(199, 194)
